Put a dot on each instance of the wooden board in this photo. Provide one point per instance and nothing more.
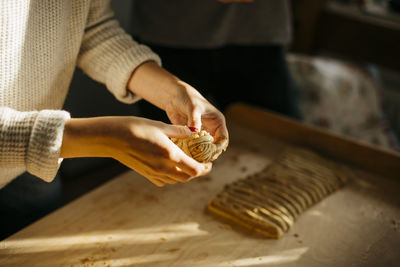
(130, 222)
(369, 157)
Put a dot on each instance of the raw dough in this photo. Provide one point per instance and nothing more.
(270, 201)
(199, 146)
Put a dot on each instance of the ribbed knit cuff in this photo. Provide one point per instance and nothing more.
(15, 131)
(42, 156)
(121, 70)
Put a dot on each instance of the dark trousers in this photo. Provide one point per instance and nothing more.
(25, 200)
(256, 75)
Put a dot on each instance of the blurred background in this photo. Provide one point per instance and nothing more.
(344, 56)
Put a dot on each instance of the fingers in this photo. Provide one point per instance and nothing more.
(195, 119)
(222, 143)
(214, 122)
(176, 131)
(222, 130)
(175, 167)
(172, 177)
(178, 167)
(165, 180)
(160, 180)
(177, 119)
(221, 134)
(185, 163)
(194, 170)
(222, 139)
(174, 174)
(156, 182)
(184, 168)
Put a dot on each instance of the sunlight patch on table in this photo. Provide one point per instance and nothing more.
(131, 261)
(283, 257)
(169, 232)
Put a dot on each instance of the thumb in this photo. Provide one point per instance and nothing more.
(176, 131)
(195, 119)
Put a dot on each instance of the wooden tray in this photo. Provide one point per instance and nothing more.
(130, 222)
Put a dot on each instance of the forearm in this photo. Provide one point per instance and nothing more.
(86, 138)
(155, 84)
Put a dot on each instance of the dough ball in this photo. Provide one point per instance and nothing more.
(199, 146)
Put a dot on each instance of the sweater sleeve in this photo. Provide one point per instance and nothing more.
(108, 54)
(32, 140)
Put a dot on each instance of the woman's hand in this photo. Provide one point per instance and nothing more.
(183, 104)
(189, 107)
(141, 144)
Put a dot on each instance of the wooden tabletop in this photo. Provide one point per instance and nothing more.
(130, 222)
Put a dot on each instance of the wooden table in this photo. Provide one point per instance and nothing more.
(130, 222)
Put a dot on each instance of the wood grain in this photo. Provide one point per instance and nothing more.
(130, 222)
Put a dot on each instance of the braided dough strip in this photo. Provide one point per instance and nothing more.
(270, 201)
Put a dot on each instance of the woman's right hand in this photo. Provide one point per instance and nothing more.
(141, 144)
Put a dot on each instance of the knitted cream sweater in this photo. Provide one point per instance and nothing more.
(41, 42)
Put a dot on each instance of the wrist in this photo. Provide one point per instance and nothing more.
(86, 137)
(155, 84)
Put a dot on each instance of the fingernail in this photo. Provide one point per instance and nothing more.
(193, 129)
